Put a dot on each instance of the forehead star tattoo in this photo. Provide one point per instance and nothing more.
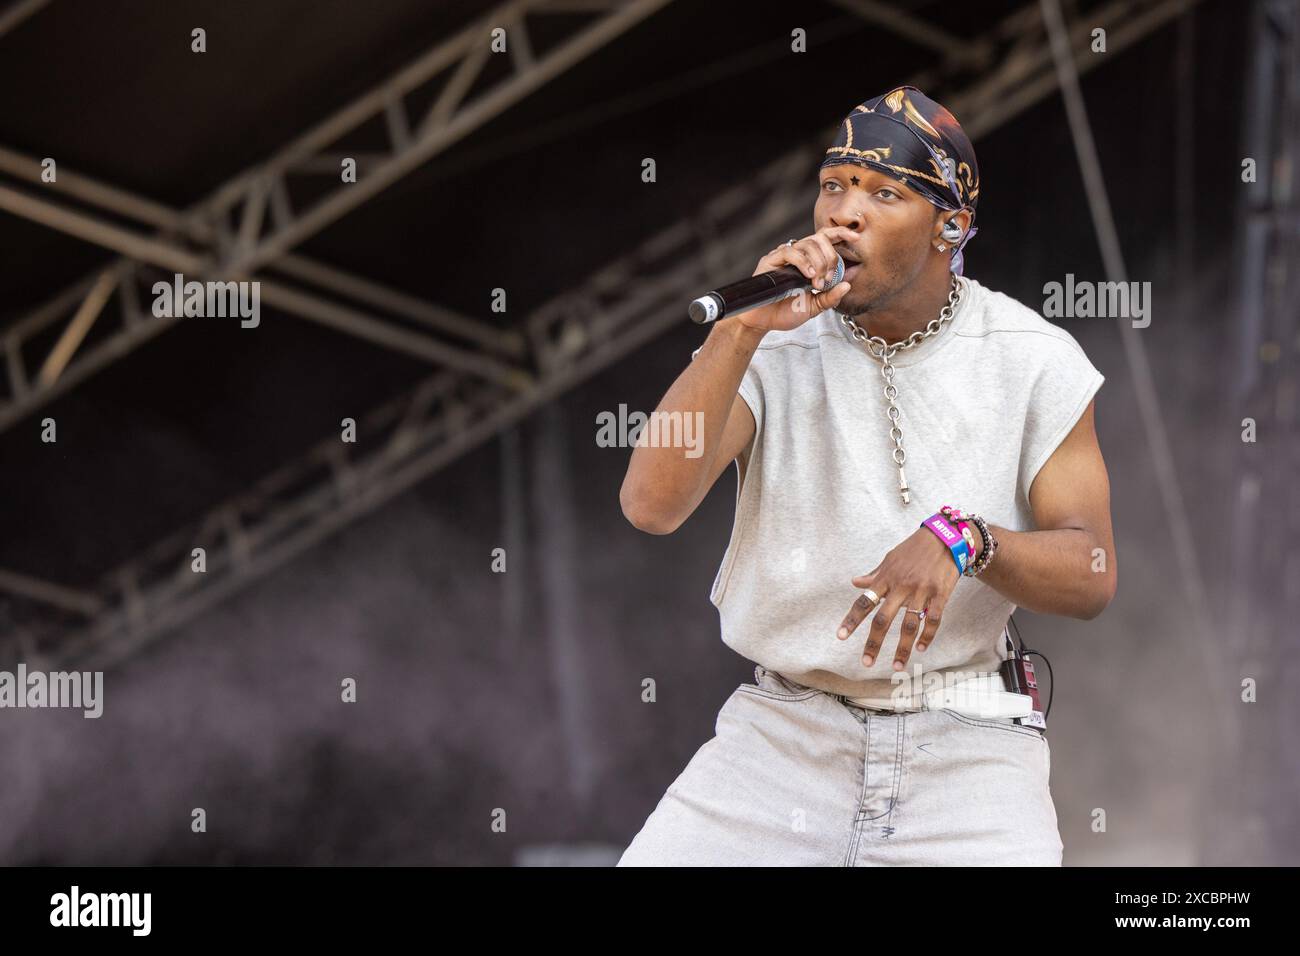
(853, 180)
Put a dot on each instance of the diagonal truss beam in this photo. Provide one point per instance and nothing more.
(46, 592)
(447, 121)
(573, 336)
(919, 32)
(173, 257)
(495, 346)
(18, 11)
(248, 223)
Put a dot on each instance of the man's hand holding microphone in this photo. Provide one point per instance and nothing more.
(776, 297)
(663, 487)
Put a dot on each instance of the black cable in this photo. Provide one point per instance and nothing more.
(1048, 712)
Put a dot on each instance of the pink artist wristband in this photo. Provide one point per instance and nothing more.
(952, 539)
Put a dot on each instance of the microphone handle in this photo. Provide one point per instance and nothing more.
(762, 289)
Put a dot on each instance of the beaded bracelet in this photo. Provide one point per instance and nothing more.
(960, 519)
(990, 547)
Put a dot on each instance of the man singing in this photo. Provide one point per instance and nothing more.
(915, 451)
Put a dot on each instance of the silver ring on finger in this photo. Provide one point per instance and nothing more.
(872, 596)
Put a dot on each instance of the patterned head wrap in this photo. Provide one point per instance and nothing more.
(907, 135)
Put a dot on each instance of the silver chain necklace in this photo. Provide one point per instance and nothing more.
(880, 349)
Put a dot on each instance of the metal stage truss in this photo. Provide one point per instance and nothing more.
(487, 379)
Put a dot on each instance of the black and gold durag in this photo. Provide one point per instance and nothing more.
(907, 135)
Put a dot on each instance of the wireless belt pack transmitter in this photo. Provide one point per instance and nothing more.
(1018, 673)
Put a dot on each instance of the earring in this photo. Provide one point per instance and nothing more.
(941, 247)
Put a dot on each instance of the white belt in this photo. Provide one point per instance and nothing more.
(984, 696)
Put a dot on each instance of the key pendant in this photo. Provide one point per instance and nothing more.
(902, 486)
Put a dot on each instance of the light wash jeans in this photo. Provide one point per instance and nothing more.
(799, 777)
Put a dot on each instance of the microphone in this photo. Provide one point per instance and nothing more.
(762, 289)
